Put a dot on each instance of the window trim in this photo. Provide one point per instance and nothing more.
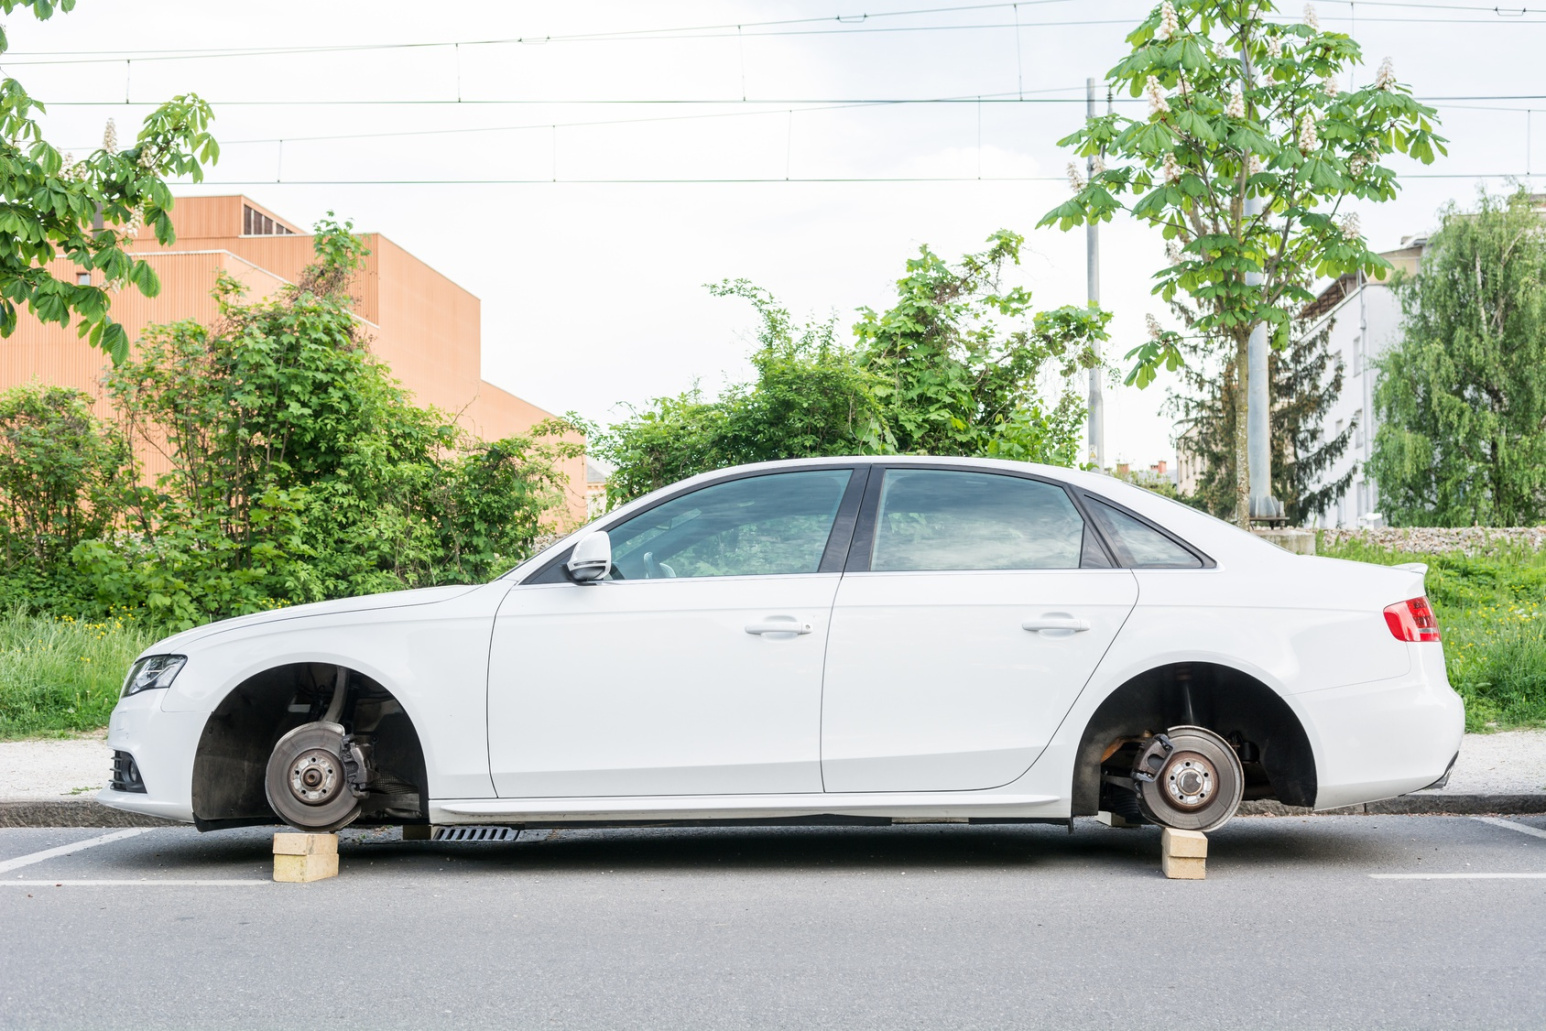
(1201, 556)
(838, 538)
(862, 549)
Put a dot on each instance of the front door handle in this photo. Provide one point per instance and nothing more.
(1055, 623)
(778, 626)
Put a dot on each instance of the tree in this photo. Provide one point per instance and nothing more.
(934, 374)
(1244, 109)
(1462, 395)
(1301, 394)
(88, 210)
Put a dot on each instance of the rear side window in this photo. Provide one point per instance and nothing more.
(1137, 545)
(939, 519)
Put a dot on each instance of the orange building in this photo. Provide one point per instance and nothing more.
(424, 326)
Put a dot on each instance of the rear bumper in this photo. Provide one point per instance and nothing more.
(1388, 737)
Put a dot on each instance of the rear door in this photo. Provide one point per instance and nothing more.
(975, 607)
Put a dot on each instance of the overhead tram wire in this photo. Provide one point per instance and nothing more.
(1502, 16)
(733, 180)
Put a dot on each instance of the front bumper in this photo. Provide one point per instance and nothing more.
(163, 745)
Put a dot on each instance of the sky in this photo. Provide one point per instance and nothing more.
(593, 282)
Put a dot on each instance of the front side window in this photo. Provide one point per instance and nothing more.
(939, 519)
(761, 525)
(1138, 545)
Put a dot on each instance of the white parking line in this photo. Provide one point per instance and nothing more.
(166, 883)
(64, 850)
(1459, 876)
(1511, 825)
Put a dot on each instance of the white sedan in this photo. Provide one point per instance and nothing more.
(886, 639)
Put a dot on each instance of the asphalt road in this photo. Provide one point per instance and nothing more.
(852, 928)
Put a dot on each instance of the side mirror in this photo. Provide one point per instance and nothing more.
(591, 559)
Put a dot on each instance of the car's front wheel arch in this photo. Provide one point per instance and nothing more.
(238, 739)
(1269, 736)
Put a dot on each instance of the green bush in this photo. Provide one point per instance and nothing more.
(1490, 611)
(299, 470)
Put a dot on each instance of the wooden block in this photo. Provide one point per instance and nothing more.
(297, 844)
(303, 869)
(1113, 820)
(1184, 868)
(418, 832)
(1184, 844)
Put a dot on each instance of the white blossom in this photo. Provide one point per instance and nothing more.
(1357, 165)
(1220, 51)
(1274, 47)
(1309, 139)
(1329, 84)
(1173, 252)
(1349, 226)
(1155, 331)
(1236, 106)
(1075, 180)
(1097, 165)
(1169, 23)
(1386, 77)
(1252, 164)
(1310, 19)
(1171, 169)
(1157, 103)
(110, 137)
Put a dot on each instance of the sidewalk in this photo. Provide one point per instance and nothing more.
(51, 782)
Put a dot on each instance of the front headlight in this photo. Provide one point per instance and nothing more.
(151, 672)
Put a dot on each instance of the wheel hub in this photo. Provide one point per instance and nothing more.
(316, 777)
(1190, 781)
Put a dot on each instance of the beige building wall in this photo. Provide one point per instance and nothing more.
(423, 325)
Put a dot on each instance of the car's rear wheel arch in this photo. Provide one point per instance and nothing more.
(1221, 698)
(239, 736)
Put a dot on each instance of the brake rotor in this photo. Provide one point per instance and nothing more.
(1188, 778)
(307, 782)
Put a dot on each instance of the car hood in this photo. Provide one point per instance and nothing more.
(340, 606)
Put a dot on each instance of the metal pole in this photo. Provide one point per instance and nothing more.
(1097, 419)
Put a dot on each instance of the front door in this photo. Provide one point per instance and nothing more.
(694, 668)
(975, 608)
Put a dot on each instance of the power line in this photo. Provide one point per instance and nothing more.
(1505, 17)
(731, 180)
(782, 102)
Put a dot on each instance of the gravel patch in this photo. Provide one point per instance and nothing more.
(57, 768)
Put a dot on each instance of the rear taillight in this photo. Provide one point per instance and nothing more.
(1412, 620)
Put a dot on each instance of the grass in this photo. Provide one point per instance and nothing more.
(61, 676)
(1491, 609)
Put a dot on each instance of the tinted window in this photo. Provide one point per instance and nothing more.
(1140, 546)
(941, 519)
(777, 523)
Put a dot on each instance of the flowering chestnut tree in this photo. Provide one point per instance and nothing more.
(1241, 108)
(88, 210)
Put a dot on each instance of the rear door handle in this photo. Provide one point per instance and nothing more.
(1055, 623)
(778, 626)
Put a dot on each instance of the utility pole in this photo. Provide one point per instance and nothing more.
(1258, 422)
(1097, 420)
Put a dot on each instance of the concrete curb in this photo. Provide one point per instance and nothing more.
(1415, 805)
(86, 812)
(72, 812)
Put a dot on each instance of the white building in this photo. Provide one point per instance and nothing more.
(1365, 319)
